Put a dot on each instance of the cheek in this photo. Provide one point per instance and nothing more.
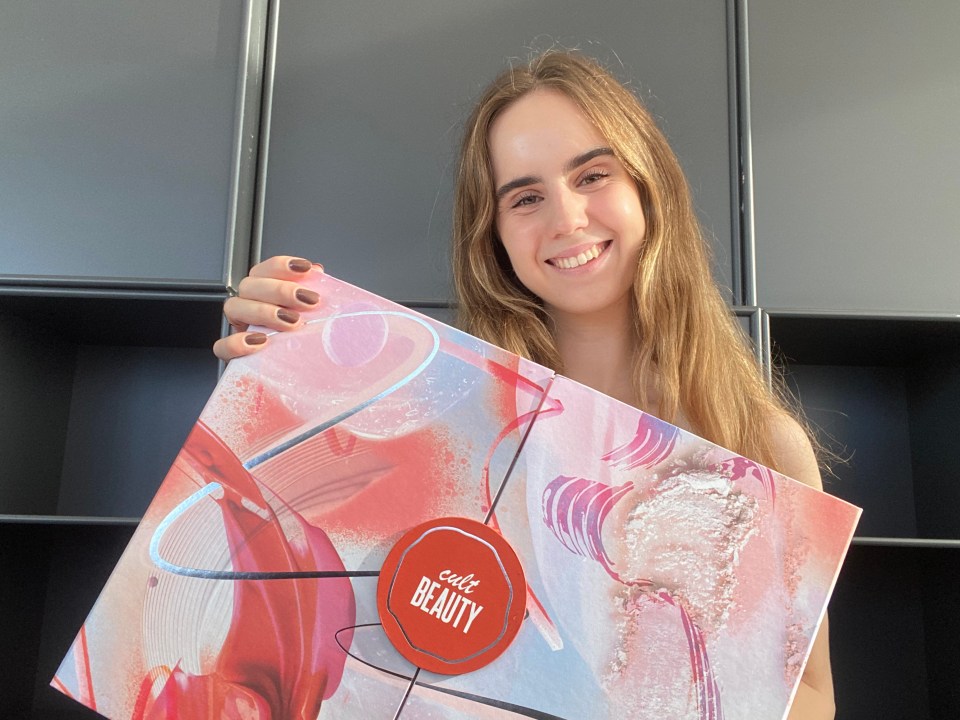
(509, 250)
(512, 238)
(630, 218)
(523, 264)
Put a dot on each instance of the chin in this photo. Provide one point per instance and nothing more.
(589, 307)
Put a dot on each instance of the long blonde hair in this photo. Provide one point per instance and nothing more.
(688, 344)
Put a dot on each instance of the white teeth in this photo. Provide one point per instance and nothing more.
(568, 263)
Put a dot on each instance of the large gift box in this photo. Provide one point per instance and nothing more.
(660, 575)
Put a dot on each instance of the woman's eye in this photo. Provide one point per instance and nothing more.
(525, 200)
(592, 177)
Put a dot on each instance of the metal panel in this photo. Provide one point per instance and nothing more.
(855, 150)
(745, 257)
(119, 140)
(368, 101)
(750, 321)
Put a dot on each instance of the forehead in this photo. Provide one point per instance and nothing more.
(539, 133)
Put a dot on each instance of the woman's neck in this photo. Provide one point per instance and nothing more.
(598, 351)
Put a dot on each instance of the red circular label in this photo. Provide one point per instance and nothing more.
(451, 595)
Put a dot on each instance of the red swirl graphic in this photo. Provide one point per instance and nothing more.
(280, 658)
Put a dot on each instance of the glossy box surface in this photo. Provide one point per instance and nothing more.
(664, 573)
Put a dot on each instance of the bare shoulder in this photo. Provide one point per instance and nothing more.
(796, 458)
(792, 449)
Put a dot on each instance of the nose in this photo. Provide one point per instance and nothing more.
(569, 211)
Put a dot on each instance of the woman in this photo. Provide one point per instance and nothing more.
(576, 245)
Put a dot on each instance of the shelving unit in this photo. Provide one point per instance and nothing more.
(105, 358)
(101, 388)
(53, 573)
(130, 137)
(854, 242)
(883, 393)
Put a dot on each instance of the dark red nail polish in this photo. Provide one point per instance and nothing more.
(308, 296)
(288, 316)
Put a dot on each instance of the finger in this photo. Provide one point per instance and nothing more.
(238, 345)
(283, 293)
(284, 267)
(242, 313)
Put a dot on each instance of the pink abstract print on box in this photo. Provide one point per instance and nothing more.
(575, 510)
(663, 579)
(677, 565)
(278, 658)
(651, 445)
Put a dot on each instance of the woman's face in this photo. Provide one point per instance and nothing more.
(568, 212)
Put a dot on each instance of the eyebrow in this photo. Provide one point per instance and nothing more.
(570, 165)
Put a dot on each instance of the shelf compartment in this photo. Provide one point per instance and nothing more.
(894, 633)
(882, 392)
(100, 392)
(52, 577)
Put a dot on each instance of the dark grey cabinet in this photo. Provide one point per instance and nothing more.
(128, 150)
(369, 100)
(99, 391)
(883, 394)
(132, 150)
(856, 244)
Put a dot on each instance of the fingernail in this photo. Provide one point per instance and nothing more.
(255, 339)
(318, 266)
(299, 265)
(308, 296)
(288, 316)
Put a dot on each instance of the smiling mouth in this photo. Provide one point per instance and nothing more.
(575, 261)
